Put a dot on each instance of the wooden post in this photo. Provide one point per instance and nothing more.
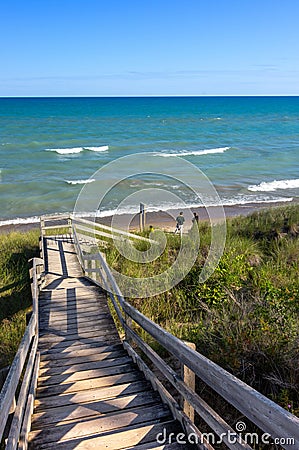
(141, 217)
(189, 379)
(103, 272)
(129, 323)
(93, 266)
(42, 226)
(69, 224)
(144, 217)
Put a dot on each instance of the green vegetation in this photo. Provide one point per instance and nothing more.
(245, 316)
(15, 293)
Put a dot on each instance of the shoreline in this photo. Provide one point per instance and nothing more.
(158, 219)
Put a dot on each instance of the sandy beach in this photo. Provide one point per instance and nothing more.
(158, 219)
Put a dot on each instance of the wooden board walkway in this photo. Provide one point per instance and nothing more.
(89, 394)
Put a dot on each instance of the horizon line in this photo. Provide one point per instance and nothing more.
(149, 96)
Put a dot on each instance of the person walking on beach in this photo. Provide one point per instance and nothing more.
(179, 223)
(195, 219)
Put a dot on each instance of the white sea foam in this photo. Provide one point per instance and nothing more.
(29, 220)
(195, 152)
(274, 185)
(20, 221)
(74, 150)
(102, 148)
(252, 200)
(65, 151)
(89, 180)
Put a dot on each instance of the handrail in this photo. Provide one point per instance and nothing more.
(14, 386)
(264, 413)
(112, 232)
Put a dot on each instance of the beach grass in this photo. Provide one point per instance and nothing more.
(16, 249)
(245, 317)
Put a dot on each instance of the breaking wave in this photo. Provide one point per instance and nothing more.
(274, 185)
(74, 150)
(195, 152)
(89, 180)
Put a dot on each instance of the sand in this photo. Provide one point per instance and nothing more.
(160, 219)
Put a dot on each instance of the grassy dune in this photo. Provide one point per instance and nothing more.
(15, 293)
(245, 317)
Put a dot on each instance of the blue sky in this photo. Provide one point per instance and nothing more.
(149, 47)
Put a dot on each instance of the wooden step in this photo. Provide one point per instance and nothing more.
(76, 349)
(88, 395)
(94, 408)
(117, 439)
(51, 339)
(74, 328)
(91, 354)
(93, 383)
(64, 432)
(48, 372)
(72, 317)
(84, 375)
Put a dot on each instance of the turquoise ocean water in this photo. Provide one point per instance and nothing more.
(50, 147)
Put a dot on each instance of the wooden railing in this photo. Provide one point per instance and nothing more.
(270, 418)
(17, 394)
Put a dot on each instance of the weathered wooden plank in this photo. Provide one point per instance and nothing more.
(67, 346)
(84, 375)
(118, 439)
(70, 329)
(85, 396)
(71, 312)
(75, 331)
(56, 315)
(65, 338)
(73, 317)
(71, 293)
(88, 384)
(83, 292)
(76, 305)
(72, 301)
(76, 326)
(77, 344)
(91, 409)
(73, 321)
(83, 356)
(64, 432)
(47, 372)
(55, 304)
(84, 284)
(78, 349)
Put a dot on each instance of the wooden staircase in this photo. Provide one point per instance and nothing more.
(89, 394)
